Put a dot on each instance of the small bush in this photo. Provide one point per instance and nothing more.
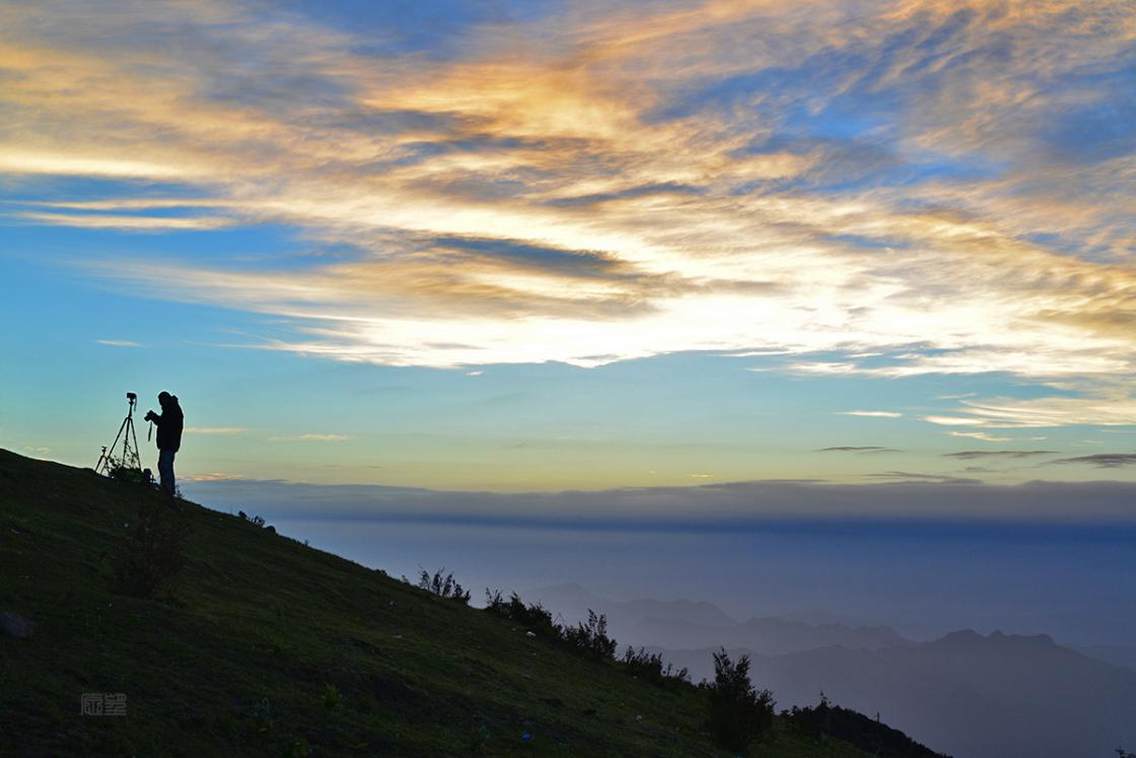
(827, 720)
(443, 585)
(738, 714)
(129, 474)
(331, 697)
(256, 521)
(534, 617)
(495, 601)
(649, 666)
(153, 552)
(117, 467)
(590, 637)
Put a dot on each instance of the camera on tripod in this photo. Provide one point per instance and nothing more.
(124, 461)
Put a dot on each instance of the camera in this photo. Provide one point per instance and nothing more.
(131, 396)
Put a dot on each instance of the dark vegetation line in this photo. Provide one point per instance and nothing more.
(739, 715)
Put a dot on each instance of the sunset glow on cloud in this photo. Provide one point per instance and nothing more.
(872, 190)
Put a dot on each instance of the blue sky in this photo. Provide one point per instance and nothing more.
(548, 246)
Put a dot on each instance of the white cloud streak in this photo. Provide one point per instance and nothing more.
(983, 436)
(128, 223)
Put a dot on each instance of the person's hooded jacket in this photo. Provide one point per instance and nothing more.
(169, 423)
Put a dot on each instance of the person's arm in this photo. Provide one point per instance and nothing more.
(155, 417)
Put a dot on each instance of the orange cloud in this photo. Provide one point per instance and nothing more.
(536, 200)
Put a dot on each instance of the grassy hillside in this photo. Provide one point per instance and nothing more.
(265, 646)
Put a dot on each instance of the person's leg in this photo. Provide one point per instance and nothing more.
(173, 482)
(166, 470)
(163, 474)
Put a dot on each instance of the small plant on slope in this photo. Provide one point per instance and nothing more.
(738, 713)
(443, 585)
(153, 552)
(649, 666)
(591, 637)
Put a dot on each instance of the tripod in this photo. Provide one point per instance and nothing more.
(130, 460)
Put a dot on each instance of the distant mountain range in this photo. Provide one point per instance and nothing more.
(1118, 655)
(974, 696)
(684, 624)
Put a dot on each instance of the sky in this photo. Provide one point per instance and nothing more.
(681, 249)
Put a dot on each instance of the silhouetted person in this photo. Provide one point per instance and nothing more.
(169, 423)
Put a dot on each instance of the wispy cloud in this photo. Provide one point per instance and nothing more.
(311, 438)
(219, 430)
(1109, 403)
(746, 178)
(119, 343)
(128, 223)
(872, 414)
(213, 477)
(983, 436)
(857, 449)
(908, 476)
(954, 421)
(971, 455)
(1103, 460)
(68, 163)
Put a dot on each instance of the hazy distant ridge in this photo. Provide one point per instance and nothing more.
(1019, 696)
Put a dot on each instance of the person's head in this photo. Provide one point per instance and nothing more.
(163, 398)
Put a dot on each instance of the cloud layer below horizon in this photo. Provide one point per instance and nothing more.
(737, 505)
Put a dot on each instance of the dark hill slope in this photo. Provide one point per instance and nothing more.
(265, 646)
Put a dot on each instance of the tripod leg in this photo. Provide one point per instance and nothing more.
(137, 454)
(109, 455)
